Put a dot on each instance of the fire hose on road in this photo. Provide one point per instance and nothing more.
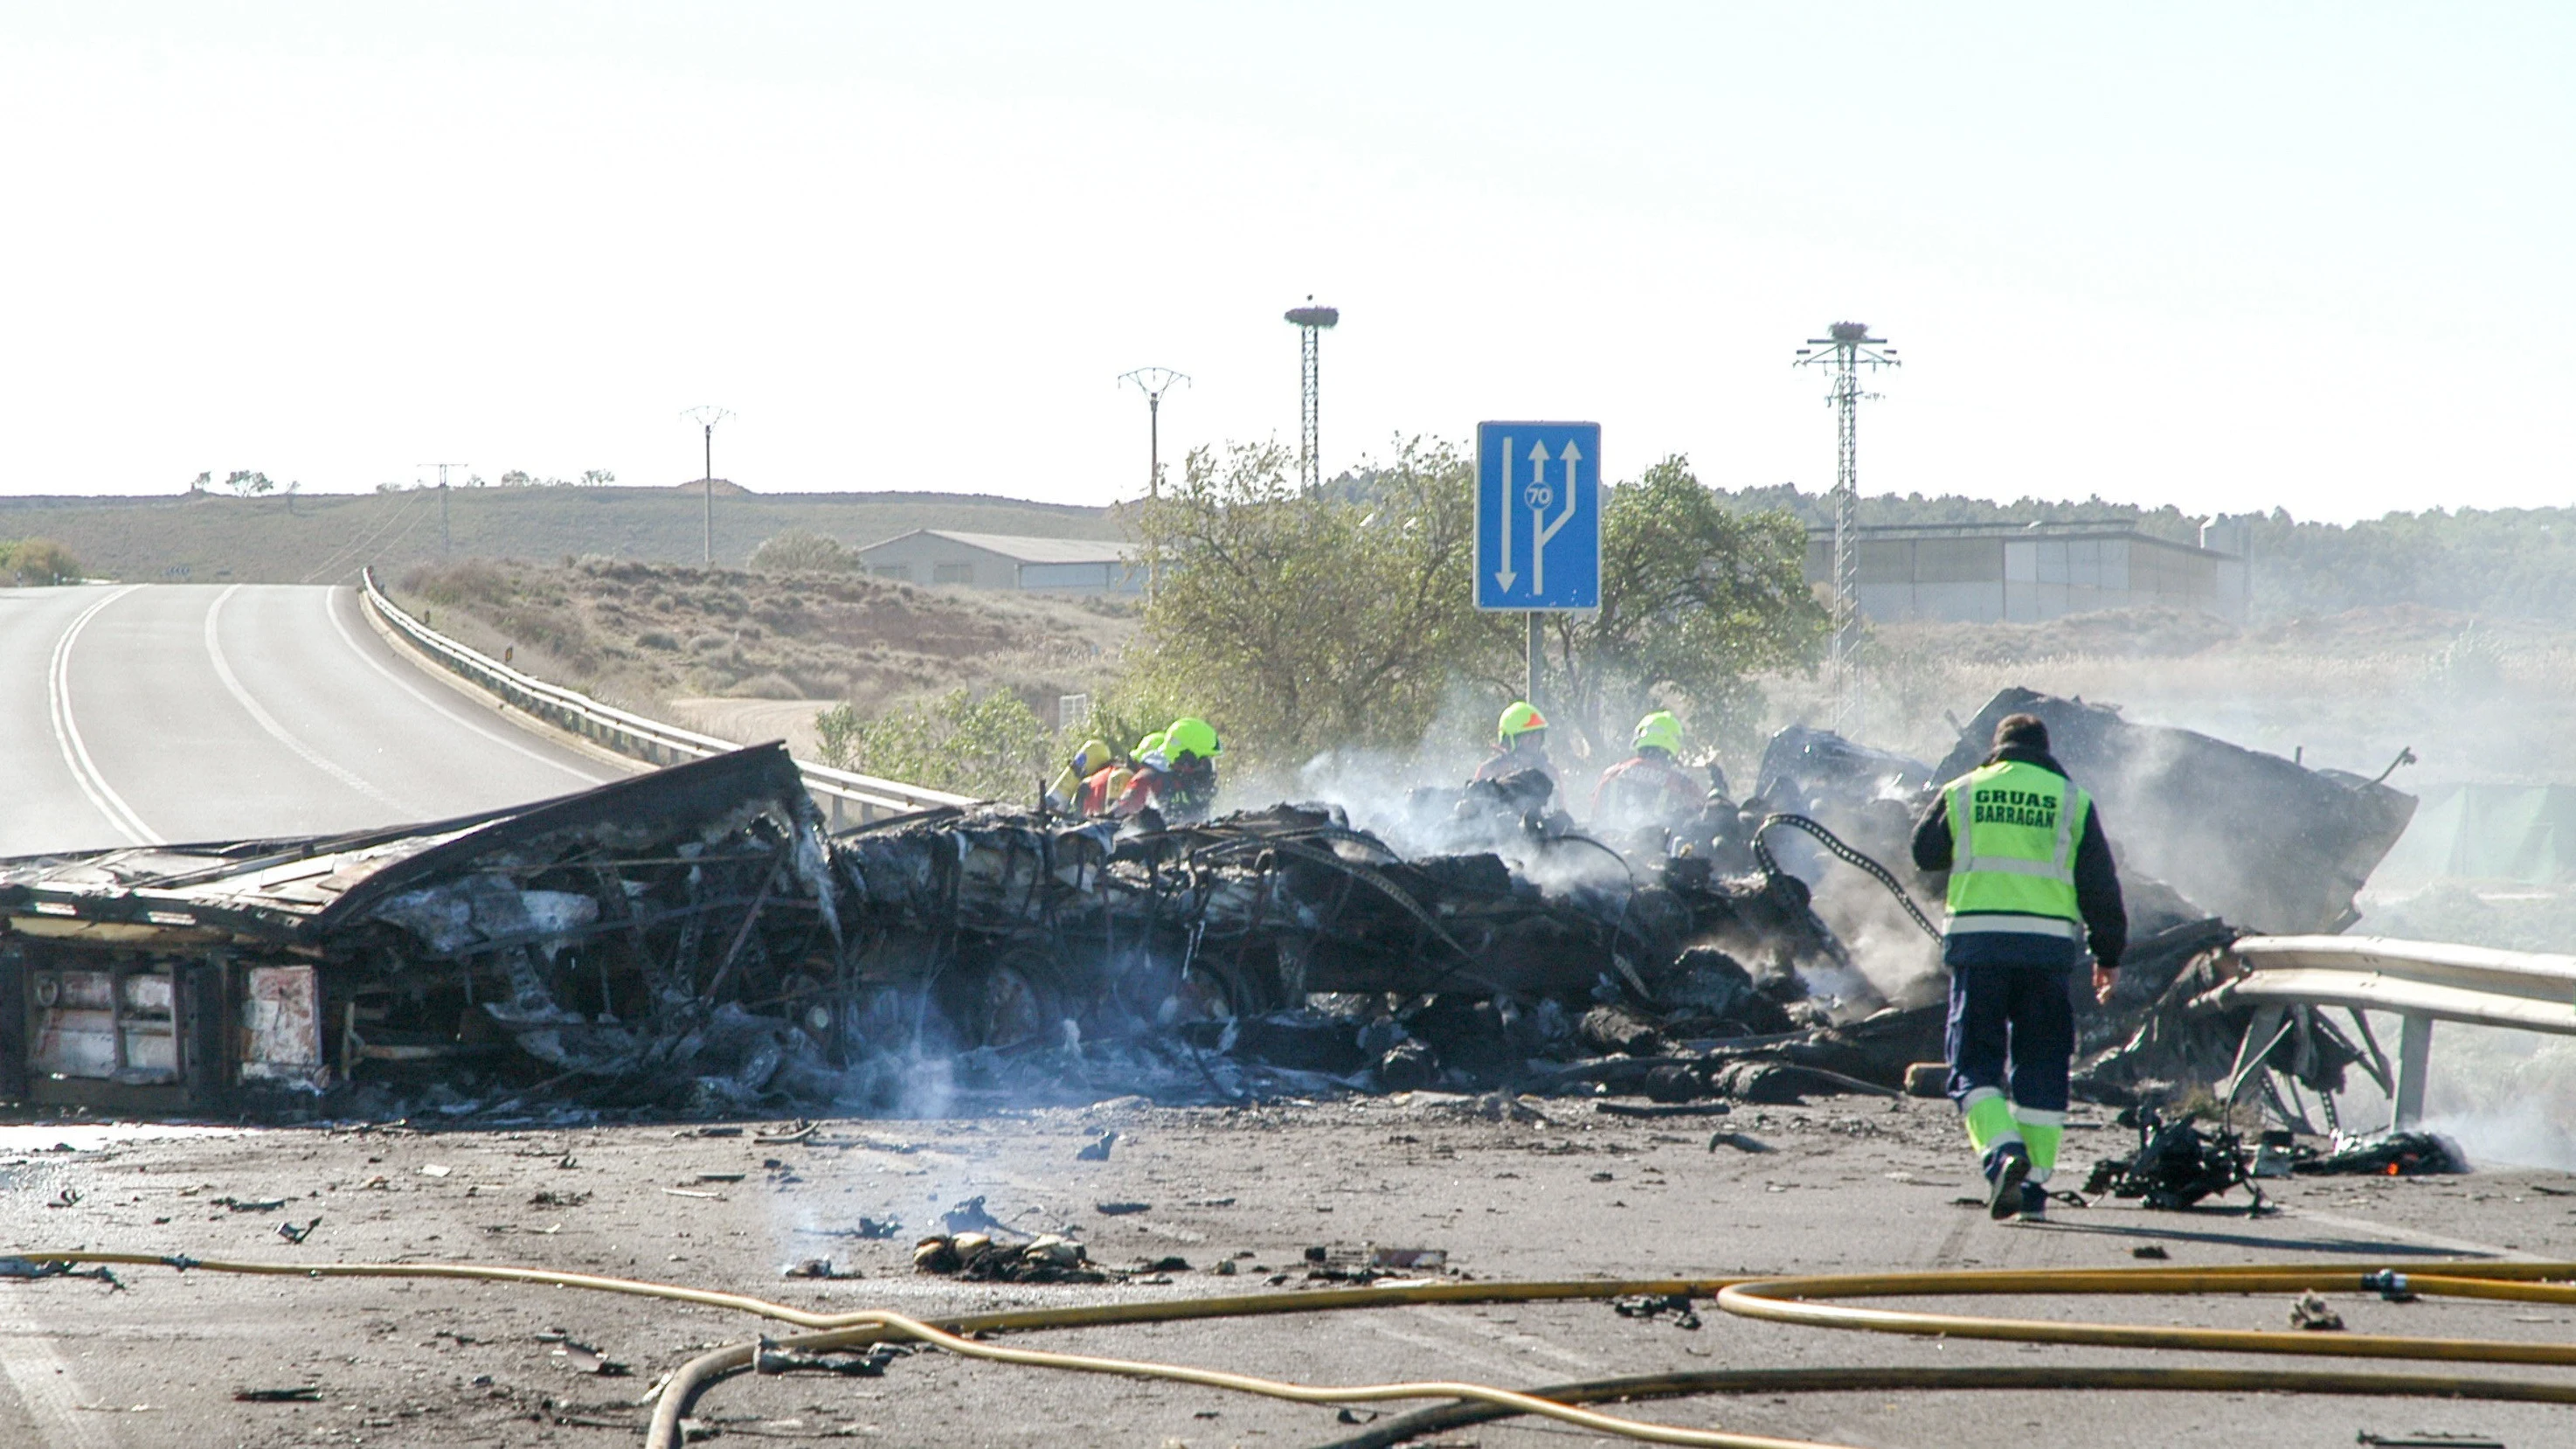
(1808, 1301)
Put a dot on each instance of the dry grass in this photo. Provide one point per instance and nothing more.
(643, 635)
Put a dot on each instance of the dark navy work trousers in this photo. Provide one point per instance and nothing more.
(2013, 1028)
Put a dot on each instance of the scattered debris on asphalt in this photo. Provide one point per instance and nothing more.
(2385, 1154)
(818, 1268)
(305, 1394)
(2313, 1313)
(982, 1258)
(16, 1267)
(1654, 1306)
(869, 1362)
(581, 1358)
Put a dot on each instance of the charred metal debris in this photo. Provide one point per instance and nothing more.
(694, 940)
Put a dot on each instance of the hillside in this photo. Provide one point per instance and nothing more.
(750, 655)
(322, 538)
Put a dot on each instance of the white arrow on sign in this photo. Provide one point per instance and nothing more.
(1505, 576)
(1541, 531)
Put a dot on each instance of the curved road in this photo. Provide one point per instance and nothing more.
(142, 714)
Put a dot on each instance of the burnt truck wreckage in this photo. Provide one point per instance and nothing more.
(694, 940)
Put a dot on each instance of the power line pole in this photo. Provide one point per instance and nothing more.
(442, 501)
(1846, 348)
(1310, 322)
(1153, 382)
(707, 417)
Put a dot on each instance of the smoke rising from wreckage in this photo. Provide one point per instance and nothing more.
(694, 941)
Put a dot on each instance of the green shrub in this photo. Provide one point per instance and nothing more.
(803, 551)
(38, 561)
(994, 748)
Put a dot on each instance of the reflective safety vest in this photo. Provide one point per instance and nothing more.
(2014, 828)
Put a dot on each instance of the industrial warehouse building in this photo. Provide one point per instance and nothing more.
(2024, 573)
(1006, 561)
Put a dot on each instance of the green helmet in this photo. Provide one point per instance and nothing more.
(1520, 719)
(1660, 731)
(1190, 735)
(1150, 745)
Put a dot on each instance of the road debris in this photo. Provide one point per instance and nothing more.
(294, 1233)
(304, 1394)
(2313, 1313)
(29, 1268)
(982, 1258)
(869, 1362)
(1657, 1305)
(581, 1358)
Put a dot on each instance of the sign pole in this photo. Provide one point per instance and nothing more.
(1530, 689)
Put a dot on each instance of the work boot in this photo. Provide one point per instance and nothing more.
(2034, 1203)
(2004, 1177)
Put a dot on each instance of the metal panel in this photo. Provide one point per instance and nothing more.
(72, 1023)
(281, 1028)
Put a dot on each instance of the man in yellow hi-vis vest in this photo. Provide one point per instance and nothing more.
(2032, 884)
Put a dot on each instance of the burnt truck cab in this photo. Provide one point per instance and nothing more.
(185, 978)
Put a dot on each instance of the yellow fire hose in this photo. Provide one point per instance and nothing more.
(1805, 1300)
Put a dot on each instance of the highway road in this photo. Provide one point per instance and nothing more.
(139, 714)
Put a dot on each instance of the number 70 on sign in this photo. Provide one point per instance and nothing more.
(1538, 515)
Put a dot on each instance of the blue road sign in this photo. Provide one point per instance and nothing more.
(1538, 515)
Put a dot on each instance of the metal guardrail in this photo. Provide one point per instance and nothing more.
(2422, 981)
(847, 797)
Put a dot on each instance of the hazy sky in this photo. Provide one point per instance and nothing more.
(2226, 256)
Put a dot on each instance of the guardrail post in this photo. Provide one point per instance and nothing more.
(2414, 1055)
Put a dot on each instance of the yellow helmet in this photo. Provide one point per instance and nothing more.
(1092, 755)
(1190, 735)
(1519, 719)
(1660, 731)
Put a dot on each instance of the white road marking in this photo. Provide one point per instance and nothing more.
(268, 722)
(330, 594)
(44, 1384)
(85, 771)
(2430, 1240)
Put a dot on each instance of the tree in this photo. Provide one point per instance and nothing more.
(38, 561)
(597, 477)
(516, 478)
(1695, 600)
(245, 484)
(201, 482)
(1300, 622)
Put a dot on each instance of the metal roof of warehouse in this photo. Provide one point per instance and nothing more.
(1024, 548)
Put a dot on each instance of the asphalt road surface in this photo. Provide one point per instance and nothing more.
(1849, 1185)
(138, 714)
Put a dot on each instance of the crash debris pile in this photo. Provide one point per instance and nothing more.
(694, 940)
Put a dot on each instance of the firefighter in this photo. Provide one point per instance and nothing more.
(1177, 779)
(1520, 743)
(1067, 791)
(1101, 792)
(2032, 884)
(1649, 789)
